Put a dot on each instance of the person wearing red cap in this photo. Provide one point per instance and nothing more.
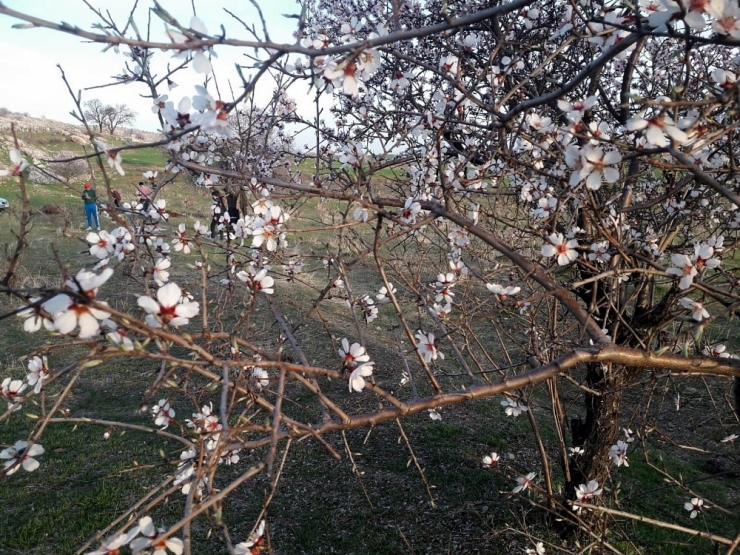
(91, 208)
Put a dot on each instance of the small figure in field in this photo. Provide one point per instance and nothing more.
(116, 197)
(232, 203)
(144, 192)
(91, 208)
(219, 211)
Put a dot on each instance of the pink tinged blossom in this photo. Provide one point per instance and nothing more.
(539, 124)
(459, 237)
(18, 164)
(369, 310)
(160, 273)
(154, 541)
(230, 457)
(684, 268)
(344, 72)
(87, 283)
(725, 79)
(574, 111)
(523, 482)
(426, 346)
(658, 130)
(102, 244)
(204, 421)
(618, 453)
(254, 542)
(358, 375)
(11, 390)
(264, 234)
(181, 242)
(383, 294)
(501, 291)
(546, 206)
(262, 206)
(120, 340)
(114, 161)
(258, 282)
(215, 119)
(161, 104)
(68, 314)
(158, 210)
(113, 545)
(514, 407)
(659, 13)
(19, 455)
(458, 267)
(695, 10)
(201, 63)
(443, 287)
(727, 21)
(586, 492)
(698, 312)
(703, 256)
(442, 312)
(410, 209)
(34, 319)
(163, 413)
(491, 460)
(565, 250)
(717, 351)
(168, 309)
(200, 229)
(730, 438)
(694, 506)
(449, 64)
(352, 355)
(150, 175)
(260, 377)
(539, 549)
(38, 373)
(598, 166)
(599, 252)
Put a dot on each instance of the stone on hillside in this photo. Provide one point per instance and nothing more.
(78, 139)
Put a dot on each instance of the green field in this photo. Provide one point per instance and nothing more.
(92, 473)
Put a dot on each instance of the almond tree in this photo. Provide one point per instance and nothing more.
(543, 193)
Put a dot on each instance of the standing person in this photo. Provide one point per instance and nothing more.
(116, 197)
(91, 208)
(232, 200)
(144, 193)
(219, 210)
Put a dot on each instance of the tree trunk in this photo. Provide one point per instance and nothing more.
(600, 430)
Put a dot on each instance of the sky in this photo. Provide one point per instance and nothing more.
(28, 57)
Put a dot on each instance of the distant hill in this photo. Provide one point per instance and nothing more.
(42, 138)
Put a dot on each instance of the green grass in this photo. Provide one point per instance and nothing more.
(86, 481)
(77, 491)
(651, 495)
(154, 158)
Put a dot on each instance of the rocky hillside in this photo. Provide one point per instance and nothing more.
(43, 139)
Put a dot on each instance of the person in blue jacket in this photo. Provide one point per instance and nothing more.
(91, 208)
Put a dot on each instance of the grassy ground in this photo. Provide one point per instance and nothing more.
(321, 505)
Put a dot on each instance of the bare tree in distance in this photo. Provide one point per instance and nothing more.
(118, 115)
(67, 169)
(95, 113)
(107, 116)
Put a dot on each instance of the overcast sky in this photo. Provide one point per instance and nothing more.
(31, 81)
